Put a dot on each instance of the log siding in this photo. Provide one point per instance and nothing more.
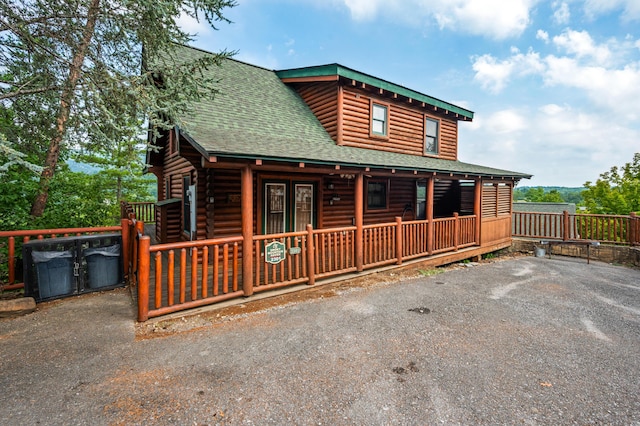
(345, 113)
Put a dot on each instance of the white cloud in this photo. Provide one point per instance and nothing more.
(495, 19)
(582, 45)
(566, 142)
(615, 89)
(588, 67)
(561, 14)
(506, 121)
(630, 8)
(192, 25)
(551, 109)
(542, 35)
(362, 10)
(493, 75)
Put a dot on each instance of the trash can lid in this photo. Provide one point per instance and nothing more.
(113, 250)
(45, 256)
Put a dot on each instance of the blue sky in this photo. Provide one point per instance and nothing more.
(555, 85)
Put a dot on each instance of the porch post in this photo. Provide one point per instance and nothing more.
(126, 234)
(430, 182)
(247, 230)
(311, 265)
(477, 208)
(359, 219)
(565, 226)
(399, 240)
(143, 278)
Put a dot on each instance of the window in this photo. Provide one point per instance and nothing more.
(377, 192)
(379, 121)
(275, 207)
(421, 199)
(431, 131)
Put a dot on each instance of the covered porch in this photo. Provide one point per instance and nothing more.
(180, 275)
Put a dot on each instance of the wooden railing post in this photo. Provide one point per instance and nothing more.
(566, 228)
(246, 189)
(477, 210)
(126, 234)
(634, 235)
(399, 240)
(456, 231)
(311, 265)
(430, 242)
(359, 219)
(143, 277)
(12, 260)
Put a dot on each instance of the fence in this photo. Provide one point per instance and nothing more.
(611, 229)
(178, 276)
(142, 211)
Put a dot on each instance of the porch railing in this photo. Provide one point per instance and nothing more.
(610, 229)
(143, 211)
(187, 275)
(13, 240)
(178, 276)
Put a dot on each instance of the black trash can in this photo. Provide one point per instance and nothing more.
(54, 271)
(103, 266)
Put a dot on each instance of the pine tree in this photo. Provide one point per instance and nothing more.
(74, 72)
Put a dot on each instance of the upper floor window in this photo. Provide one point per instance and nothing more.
(431, 133)
(379, 119)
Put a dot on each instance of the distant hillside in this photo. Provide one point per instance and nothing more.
(548, 194)
(74, 166)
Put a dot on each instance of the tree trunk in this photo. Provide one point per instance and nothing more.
(66, 97)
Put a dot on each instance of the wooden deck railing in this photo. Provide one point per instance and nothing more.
(611, 229)
(143, 211)
(178, 276)
(380, 246)
(291, 271)
(334, 251)
(13, 241)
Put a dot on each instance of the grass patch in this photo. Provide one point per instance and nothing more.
(430, 272)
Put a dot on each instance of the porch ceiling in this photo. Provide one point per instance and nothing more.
(256, 116)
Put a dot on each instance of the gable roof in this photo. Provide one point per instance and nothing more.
(337, 70)
(256, 116)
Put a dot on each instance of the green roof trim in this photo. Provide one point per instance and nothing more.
(256, 116)
(351, 74)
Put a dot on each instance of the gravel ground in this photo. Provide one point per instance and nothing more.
(523, 341)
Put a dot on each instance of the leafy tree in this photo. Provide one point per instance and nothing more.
(616, 191)
(71, 73)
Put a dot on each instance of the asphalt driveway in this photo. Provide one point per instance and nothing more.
(522, 341)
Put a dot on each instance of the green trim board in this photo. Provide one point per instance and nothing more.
(351, 74)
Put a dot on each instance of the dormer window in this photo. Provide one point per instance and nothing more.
(379, 120)
(431, 133)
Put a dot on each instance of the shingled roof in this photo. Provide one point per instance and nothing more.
(256, 116)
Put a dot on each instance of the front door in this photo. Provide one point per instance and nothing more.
(288, 206)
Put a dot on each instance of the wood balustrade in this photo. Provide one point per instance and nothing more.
(187, 275)
(143, 211)
(610, 229)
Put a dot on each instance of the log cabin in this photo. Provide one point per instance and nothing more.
(367, 167)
